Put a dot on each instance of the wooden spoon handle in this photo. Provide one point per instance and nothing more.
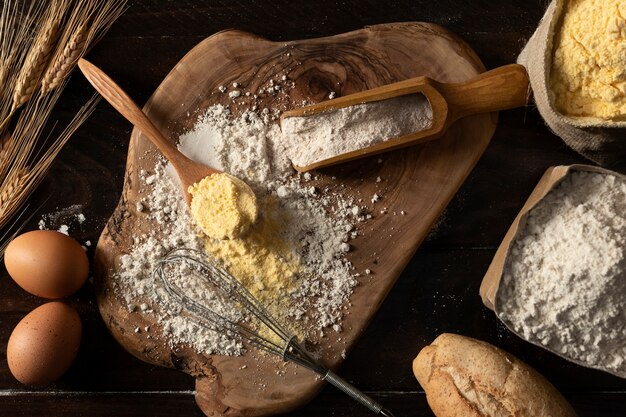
(128, 108)
(502, 88)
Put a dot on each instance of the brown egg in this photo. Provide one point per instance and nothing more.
(44, 344)
(46, 263)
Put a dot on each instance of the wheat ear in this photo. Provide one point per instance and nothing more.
(13, 191)
(4, 148)
(36, 61)
(16, 23)
(4, 75)
(86, 24)
(64, 63)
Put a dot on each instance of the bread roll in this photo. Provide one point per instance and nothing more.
(464, 377)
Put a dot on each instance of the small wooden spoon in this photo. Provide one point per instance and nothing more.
(189, 172)
(499, 89)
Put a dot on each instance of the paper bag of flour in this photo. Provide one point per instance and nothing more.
(496, 295)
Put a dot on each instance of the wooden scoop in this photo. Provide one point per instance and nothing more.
(189, 172)
(499, 89)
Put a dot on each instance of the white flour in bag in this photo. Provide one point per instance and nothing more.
(564, 283)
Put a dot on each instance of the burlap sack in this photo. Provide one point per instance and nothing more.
(596, 139)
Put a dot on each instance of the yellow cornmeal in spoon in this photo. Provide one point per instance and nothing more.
(252, 250)
(223, 206)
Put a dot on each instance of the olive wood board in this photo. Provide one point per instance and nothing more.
(416, 185)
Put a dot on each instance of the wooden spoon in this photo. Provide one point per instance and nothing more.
(189, 172)
(499, 89)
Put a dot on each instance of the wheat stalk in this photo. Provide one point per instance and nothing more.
(8, 37)
(89, 20)
(12, 190)
(36, 62)
(5, 148)
(40, 42)
(29, 162)
(64, 63)
(27, 129)
(4, 74)
(16, 21)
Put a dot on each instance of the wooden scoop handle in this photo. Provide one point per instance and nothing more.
(502, 88)
(129, 109)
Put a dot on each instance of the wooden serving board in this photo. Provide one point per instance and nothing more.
(418, 181)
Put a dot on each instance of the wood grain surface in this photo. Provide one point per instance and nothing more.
(419, 181)
(438, 290)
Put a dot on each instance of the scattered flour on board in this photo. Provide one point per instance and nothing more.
(564, 282)
(318, 226)
(315, 225)
(165, 207)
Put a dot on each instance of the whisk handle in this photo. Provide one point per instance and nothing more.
(344, 386)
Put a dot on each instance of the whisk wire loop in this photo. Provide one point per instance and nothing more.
(227, 286)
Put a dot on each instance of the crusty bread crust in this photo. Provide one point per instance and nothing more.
(465, 377)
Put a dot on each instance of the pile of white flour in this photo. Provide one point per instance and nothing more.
(324, 135)
(172, 228)
(564, 282)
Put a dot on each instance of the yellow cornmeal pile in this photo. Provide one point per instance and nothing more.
(223, 206)
(588, 75)
(263, 261)
(252, 250)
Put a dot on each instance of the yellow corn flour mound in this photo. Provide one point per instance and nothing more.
(263, 261)
(252, 249)
(223, 206)
(588, 74)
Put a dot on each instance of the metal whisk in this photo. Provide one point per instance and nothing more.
(285, 345)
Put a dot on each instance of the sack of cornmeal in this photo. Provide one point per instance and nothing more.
(558, 279)
(576, 61)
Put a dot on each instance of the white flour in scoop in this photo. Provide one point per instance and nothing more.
(324, 135)
(564, 283)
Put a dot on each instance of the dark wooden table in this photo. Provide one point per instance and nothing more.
(438, 292)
